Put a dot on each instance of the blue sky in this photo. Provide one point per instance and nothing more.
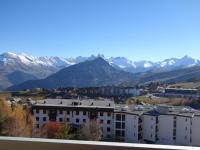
(137, 29)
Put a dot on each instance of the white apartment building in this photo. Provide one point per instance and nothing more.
(128, 125)
(172, 125)
(150, 127)
(76, 113)
(161, 124)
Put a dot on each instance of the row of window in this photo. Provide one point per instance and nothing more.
(108, 121)
(77, 120)
(60, 119)
(77, 112)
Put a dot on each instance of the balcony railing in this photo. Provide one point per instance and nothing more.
(15, 143)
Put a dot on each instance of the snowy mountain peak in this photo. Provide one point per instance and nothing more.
(46, 65)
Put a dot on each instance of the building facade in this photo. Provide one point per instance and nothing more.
(161, 124)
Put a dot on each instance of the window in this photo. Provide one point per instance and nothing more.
(68, 119)
(108, 114)
(108, 129)
(61, 119)
(37, 126)
(123, 117)
(101, 121)
(77, 112)
(84, 120)
(118, 125)
(44, 111)
(118, 117)
(77, 120)
(37, 111)
(37, 118)
(123, 133)
(174, 124)
(117, 132)
(108, 121)
(84, 113)
(101, 113)
(174, 132)
(123, 125)
(68, 112)
(44, 119)
(185, 128)
(185, 119)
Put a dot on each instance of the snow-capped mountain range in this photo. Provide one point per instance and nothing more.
(42, 67)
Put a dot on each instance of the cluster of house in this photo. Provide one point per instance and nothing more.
(160, 124)
(179, 92)
(110, 91)
(17, 100)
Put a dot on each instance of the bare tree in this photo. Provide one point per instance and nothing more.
(90, 131)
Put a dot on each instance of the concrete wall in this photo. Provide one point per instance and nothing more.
(195, 131)
(149, 128)
(131, 128)
(165, 129)
(183, 125)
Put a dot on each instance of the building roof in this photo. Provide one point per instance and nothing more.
(183, 111)
(76, 103)
(106, 104)
(134, 109)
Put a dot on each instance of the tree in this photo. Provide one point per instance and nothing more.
(51, 130)
(90, 131)
(55, 130)
(20, 122)
(15, 121)
(4, 110)
(64, 132)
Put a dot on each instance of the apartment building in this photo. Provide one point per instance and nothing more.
(172, 125)
(161, 124)
(76, 113)
(128, 124)
(150, 127)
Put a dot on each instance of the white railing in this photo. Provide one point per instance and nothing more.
(18, 143)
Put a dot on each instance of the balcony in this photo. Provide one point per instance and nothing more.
(13, 143)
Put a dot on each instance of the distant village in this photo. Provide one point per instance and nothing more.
(116, 93)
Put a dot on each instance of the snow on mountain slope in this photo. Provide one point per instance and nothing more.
(38, 66)
(42, 67)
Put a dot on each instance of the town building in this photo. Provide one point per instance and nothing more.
(160, 124)
(76, 113)
(179, 92)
